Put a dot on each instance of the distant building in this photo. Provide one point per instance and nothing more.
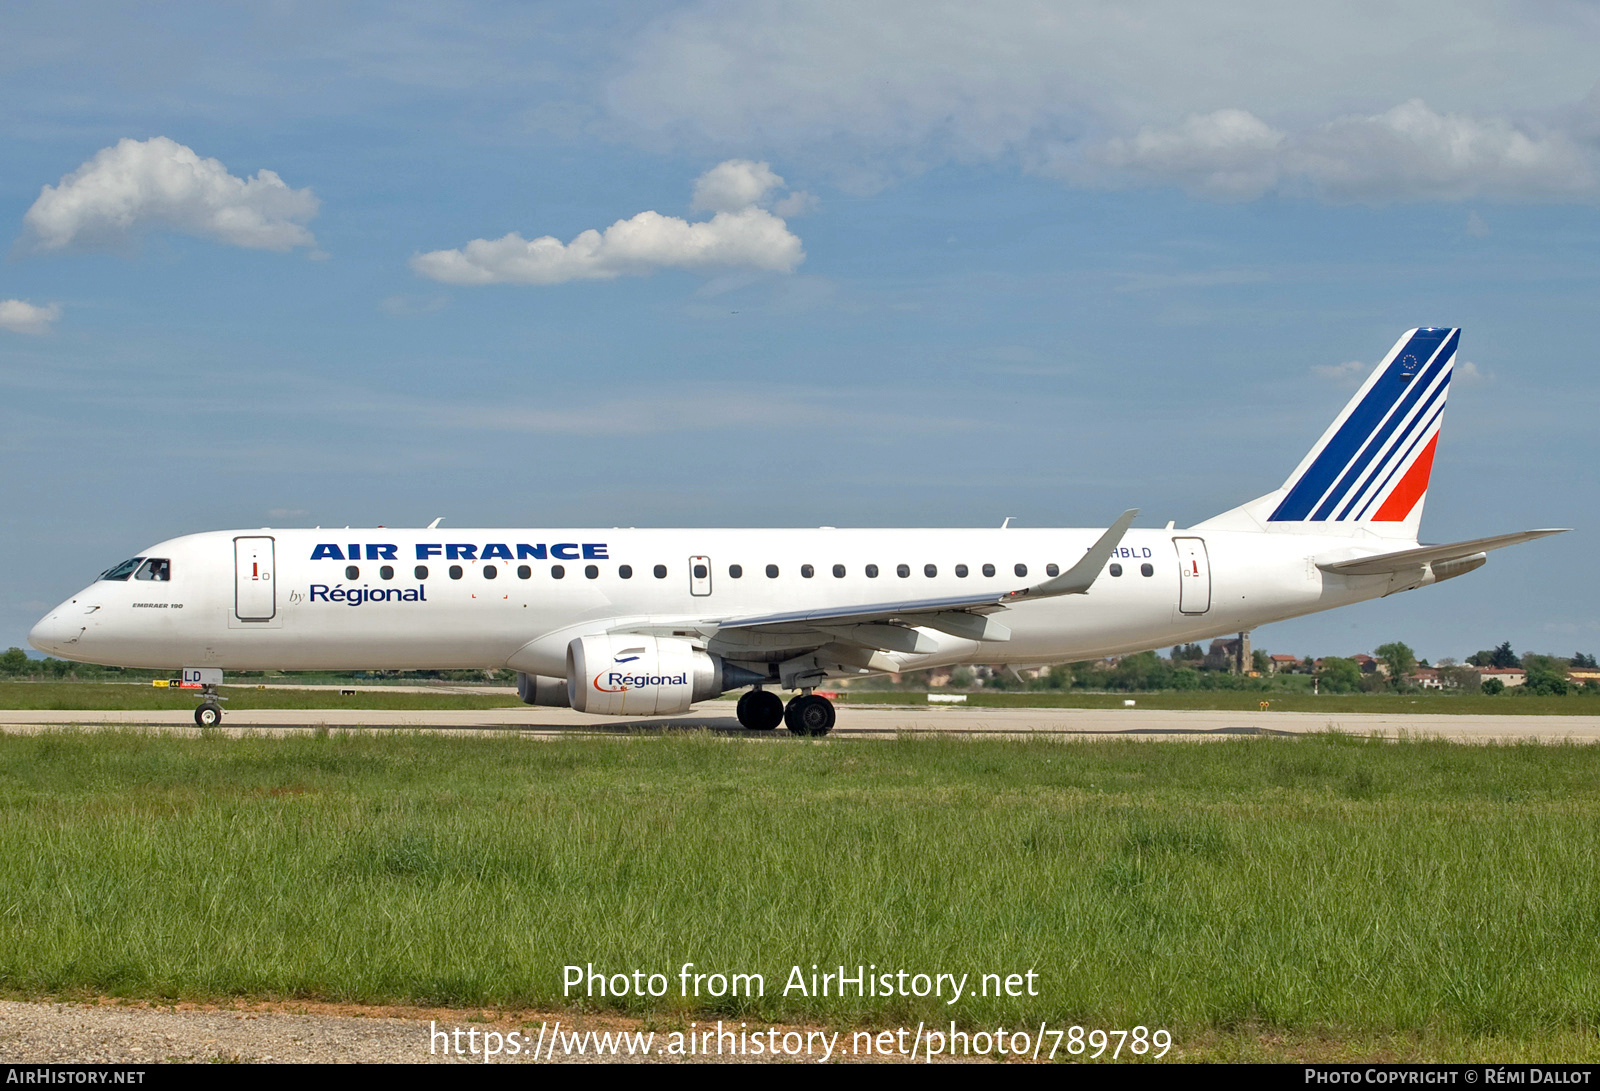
(1370, 665)
(1509, 676)
(1283, 664)
(1230, 655)
(1429, 678)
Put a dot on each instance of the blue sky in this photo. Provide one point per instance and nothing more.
(906, 264)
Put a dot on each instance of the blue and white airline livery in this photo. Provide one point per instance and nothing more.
(631, 622)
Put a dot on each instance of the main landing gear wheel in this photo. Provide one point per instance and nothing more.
(809, 715)
(760, 710)
(208, 714)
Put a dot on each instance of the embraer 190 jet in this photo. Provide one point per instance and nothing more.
(649, 622)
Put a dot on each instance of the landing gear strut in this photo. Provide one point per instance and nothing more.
(209, 714)
(809, 714)
(760, 710)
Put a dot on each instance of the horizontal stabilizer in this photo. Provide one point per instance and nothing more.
(1405, 559)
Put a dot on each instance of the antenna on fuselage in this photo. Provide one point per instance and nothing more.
(435, 524)
(1007, 523)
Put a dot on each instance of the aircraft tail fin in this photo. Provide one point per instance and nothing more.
(1368, 474)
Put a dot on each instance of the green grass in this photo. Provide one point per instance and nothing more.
(1431, 898)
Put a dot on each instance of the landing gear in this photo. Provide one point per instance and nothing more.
(760, 710)
(209, 714)
(809, 714)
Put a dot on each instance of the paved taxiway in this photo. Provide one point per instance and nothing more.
(875, 721)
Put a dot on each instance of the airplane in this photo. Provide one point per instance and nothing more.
(649, 622)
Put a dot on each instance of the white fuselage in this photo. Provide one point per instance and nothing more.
(255, 600)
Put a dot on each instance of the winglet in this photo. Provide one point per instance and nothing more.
(1077, 579)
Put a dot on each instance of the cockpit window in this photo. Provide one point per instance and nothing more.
(122, 571)
(156, 568)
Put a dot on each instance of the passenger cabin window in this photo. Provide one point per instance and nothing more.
(1147, 570)
(1052, 570)
(838, 571)
(1021, 570)
(772, 571)
(557, 571)
(701, 572)
(351, 572)
(807, 571)
(421, 571)
(121, 571)
(961, 571)
(489, 572)
(930, 570)
(1116, 570)
(872, 571)
(387, 571)
(902, 570)
(455, 571)
(735, 571)
(625, 571)
(591, 571)
(526, 572)
(988, 570)
(661, 571)
(156, 568)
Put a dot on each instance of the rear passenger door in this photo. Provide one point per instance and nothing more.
(1194, 576)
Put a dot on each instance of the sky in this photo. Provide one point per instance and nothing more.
(726, 263)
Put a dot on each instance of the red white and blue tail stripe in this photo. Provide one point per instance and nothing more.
(1372, 464)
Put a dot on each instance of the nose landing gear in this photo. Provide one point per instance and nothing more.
(206, 680)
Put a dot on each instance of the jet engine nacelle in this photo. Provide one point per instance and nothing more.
(541, 689)
(622, 675)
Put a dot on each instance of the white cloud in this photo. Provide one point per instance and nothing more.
(741, 235)
(1230, 153)
(1411, 152)
(1229, 102)
(1414, 152)
(19, 316)
(138, 185)
(732, 185)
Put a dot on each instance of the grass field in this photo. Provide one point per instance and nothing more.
(1275, 897)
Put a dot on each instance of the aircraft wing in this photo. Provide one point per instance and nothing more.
(889, 625)
(1405, 559)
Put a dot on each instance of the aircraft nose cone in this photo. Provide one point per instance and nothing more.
(54, 632)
